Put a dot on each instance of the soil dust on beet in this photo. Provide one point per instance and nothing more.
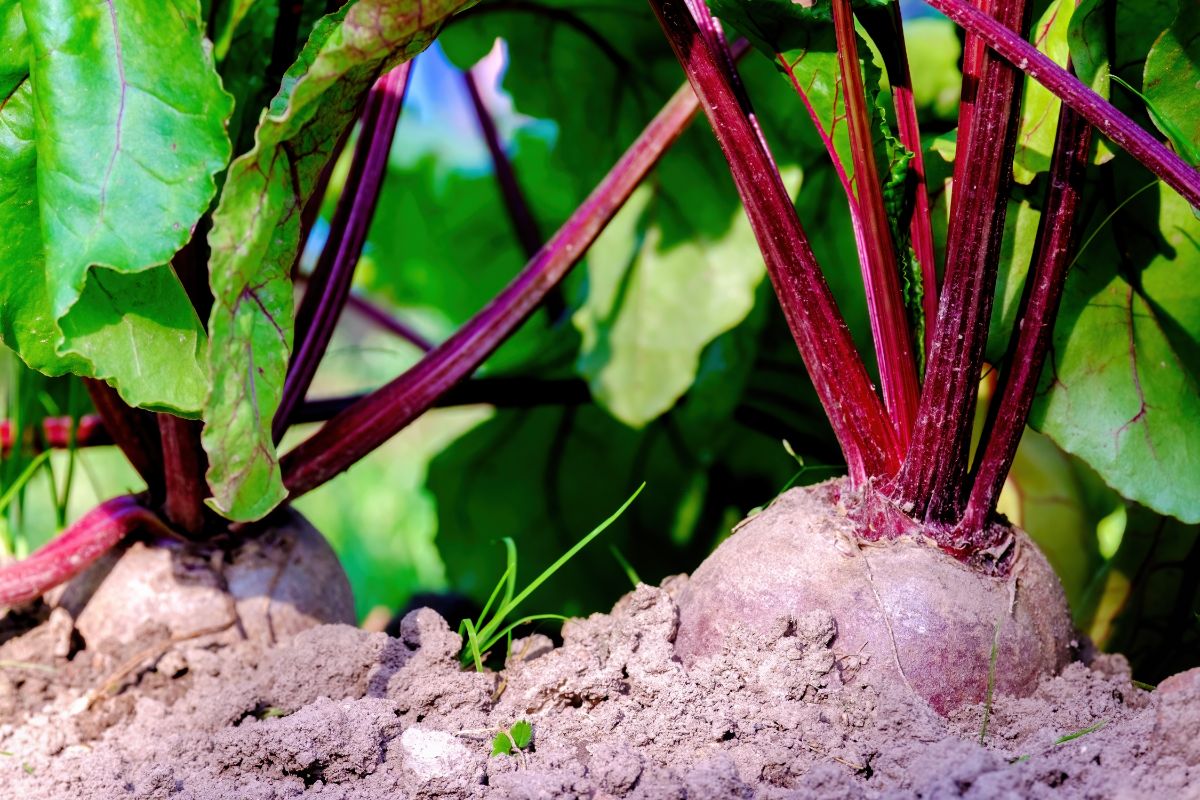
(337, 712)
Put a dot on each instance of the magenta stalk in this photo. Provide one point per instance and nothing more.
(329, 286)
(931, 484)
(880, 270)
(1039, 308)
(854, 410)
(1120, 129)
(74, 550)
(370, 422)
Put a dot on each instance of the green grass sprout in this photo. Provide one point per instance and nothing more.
(626, 567)
(991, 683)
(1072, 736)
(483, 634)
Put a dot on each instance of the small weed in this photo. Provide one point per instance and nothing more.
(991, 683)
(1066, 738)
(515, 739)
(1077, 734)
(626, 567)
(483, 634)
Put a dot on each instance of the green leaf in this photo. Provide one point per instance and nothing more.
(256, 232)
(562, 50)
(934, 50)
(1039, 108)
(1131, 26)
(242, 43)
(1171, 82)
(99, 195)
(1120, 390)
(501, 744)
(521, 733)
(1016, 252)
(656, 300)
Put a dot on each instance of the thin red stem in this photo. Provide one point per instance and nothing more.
(1120, 129)
(854, 410)
(382, 319)
(373, 420)
(887, 30)
(184, 465)
(133, 430)
(73, 550)
(524, 224)
(329, 285)
(931, 484)
(1039, 307)
(520, 215)
(55, 434)
(880, 270)
(499, 391)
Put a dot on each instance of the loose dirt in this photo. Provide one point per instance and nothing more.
(340, 713)
(787, 711)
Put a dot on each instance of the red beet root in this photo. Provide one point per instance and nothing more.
(918, 615)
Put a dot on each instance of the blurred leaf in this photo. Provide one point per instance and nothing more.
(1039, 108)
(1120, 390)
(1043, 496)
(1171, 82)
(242, 45)
(933, 52)
(79, 293)
(559, 51)
(652, 307)
(1016, 253)
(256, 230)
(384, 538)
(1131, 26)
(1149, 598)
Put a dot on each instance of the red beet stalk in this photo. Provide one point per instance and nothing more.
(854, 410)
(73, 550)
(370, 422)
(1123, 131)
(1039, 308)
(881, 272)
(329, 286)
(930, 485)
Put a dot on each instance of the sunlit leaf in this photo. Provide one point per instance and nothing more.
(256, 232)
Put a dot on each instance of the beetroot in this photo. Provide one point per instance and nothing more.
(915, 613)
(282, 579)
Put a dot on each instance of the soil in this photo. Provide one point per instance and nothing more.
(785, 711)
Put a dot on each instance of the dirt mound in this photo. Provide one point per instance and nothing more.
(341, 713)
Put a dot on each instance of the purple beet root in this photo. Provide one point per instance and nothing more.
(918, 615)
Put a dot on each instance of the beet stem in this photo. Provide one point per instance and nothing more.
(851, 404)
(378, 416)
(887, 31)
(515, 391)
(329, 286)
(55, 434)
(1031, 340)
(73, 550)
(880, 270)
(184, 465)
(520, 215)
(1120, 129)
(931, 484)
